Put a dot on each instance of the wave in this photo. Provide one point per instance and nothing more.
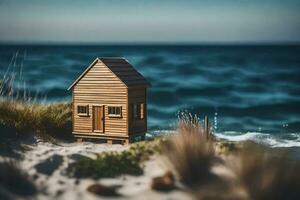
(272, 140)
(250, 88)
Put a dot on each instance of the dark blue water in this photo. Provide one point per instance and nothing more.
(247, 91)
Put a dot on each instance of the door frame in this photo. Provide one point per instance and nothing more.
(93, 118)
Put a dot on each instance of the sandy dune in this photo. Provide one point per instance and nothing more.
(47, 164)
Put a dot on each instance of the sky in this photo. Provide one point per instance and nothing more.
(117, 21)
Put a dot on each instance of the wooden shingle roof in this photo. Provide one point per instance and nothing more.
(122, 69)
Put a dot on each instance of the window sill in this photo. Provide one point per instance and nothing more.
(115, 116)
(83, 115)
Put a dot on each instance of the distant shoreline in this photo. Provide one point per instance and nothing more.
(176, 44)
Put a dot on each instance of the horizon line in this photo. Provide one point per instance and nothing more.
(146, 43)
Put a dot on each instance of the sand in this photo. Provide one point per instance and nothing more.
(47, 164)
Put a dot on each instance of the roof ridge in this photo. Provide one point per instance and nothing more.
(112, 58)
(143, 80)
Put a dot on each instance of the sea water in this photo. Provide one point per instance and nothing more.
(247, 91)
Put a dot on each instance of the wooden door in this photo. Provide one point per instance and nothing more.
(98, 119)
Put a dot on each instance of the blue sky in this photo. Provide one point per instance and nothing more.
(150, 20)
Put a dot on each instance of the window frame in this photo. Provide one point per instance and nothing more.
(138, 111)
(114, 115)
(83, 113)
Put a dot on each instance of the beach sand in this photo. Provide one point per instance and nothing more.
(47, 164)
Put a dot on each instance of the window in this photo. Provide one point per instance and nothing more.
(115, 111)
(83, 110)
(138, 111)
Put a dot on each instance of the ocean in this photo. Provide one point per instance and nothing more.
(247, 91)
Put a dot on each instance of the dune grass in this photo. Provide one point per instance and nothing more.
(19, 118)
(190, 151)
(266, 173)
(257, 172)
(112, 164)
(21, 110)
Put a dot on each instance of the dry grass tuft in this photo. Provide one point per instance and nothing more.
(21, 113)
(46, 121)
(191, 125)
(267, 173)
(190, 151)
(252, 170)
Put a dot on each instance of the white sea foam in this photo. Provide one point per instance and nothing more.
(272, 140)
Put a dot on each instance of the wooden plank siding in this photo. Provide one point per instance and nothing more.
(99, 86)
(109, 82)
(137, 96)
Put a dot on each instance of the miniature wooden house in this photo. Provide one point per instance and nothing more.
(110, 102)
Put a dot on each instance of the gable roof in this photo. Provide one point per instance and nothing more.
(121, 68)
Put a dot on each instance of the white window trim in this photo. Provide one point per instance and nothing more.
(83, 114)
(114, 115)
(141, 115)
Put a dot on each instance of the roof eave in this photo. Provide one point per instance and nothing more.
(148, 84)
(139, 85)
